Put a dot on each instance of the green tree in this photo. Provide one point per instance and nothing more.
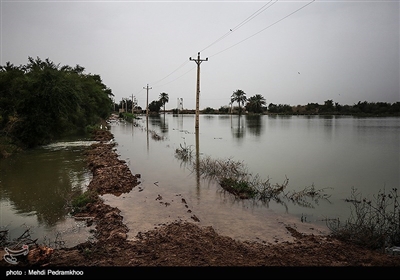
(239, 96)
(42, 101)
(312, 107)
(49, 101)
(394, 108)
(164, 99)
(155, 106)
(328, 106)
(280, 108)
(223, 109)
(255, 103)
(12, 84)
(208, 110)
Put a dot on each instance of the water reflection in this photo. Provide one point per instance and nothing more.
(38, 184)
(147, 133)
(237, 127)
(197, 162)
(159, 122)
(255, 124)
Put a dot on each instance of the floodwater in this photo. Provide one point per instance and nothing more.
(331, 154)
(36, 187)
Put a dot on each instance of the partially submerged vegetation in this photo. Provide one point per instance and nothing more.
(234, 177)
(373, 223)
(129, 117)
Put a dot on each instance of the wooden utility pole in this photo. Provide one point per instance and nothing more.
(147, 101)
(198, 62)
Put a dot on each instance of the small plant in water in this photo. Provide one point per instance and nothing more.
(184, 153)
(239, 188)
(372, 223)
(302, 197)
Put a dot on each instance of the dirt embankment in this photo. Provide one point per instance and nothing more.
(183, 243)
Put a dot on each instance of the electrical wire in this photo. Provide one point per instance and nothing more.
(177, 77)
(264, 28)
(183, 64)
(253, 15)
(249, 18)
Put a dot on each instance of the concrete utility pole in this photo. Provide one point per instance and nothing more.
(147, 101)
(198, 62)
(132, 104)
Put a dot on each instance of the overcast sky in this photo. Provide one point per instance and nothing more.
(290, 52)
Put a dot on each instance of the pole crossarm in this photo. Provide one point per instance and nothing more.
(147, 100)
(198, 60)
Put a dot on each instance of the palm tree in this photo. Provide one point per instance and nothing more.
(164, 99)
(239, 96)
(255, 103)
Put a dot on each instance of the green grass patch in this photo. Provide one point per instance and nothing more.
(129, 117)
(239, 188)
(80, 201)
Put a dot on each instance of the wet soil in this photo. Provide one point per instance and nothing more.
(183, 243)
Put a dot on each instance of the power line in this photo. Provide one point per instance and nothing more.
(139, 92)
(264, 28)
(253, 15)
(256, 13)
(183, 64)
(177, 77)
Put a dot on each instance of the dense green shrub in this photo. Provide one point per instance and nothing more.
(41, 101)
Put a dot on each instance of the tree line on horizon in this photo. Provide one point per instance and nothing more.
(42, 101)
(257, 104)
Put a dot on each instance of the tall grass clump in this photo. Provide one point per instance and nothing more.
(373, 223)
(184, 153)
